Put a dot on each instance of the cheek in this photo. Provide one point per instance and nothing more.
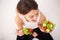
(28, 19)
(32, 19)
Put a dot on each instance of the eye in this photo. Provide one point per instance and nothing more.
(31, 16)
(37, 14)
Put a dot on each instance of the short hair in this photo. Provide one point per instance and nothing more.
(24, 6)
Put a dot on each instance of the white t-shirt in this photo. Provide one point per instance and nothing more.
(27, 24)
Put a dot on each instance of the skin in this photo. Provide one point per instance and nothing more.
(30, 17)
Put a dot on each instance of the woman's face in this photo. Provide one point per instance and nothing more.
(31, 16)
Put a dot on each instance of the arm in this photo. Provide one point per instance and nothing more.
(42, 19)
(18, 20)
(19, 23)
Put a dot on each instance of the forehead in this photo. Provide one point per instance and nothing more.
(32, 12)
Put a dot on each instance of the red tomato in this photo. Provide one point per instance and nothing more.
(50, 30)
(30, 30)
(44, 29)
(48, 22)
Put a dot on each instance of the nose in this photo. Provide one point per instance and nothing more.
(34, 19)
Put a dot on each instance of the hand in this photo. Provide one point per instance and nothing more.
(41, 28)
(19, 32)
(34, 34)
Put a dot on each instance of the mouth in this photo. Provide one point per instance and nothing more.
(34, 20)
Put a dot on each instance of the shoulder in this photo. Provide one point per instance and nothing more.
(42, 16)
(17, 18)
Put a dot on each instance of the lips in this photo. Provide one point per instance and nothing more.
(34, 20)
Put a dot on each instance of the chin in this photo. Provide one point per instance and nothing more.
(33, 20)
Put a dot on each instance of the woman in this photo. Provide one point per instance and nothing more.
(30, 17)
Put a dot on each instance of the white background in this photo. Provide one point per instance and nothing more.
(50, 8)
